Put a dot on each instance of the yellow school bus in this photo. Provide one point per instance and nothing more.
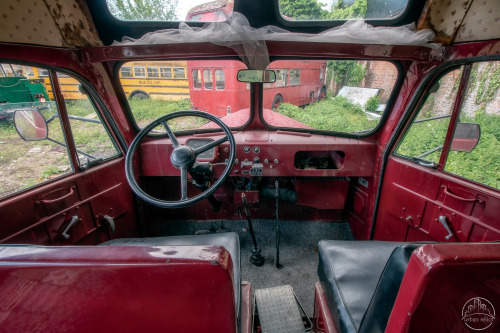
(165, 80)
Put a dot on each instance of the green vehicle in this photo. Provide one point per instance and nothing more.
(20, 92)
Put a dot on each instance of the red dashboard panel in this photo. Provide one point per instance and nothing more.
(272, 152)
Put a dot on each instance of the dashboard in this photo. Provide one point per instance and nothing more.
(269, 154)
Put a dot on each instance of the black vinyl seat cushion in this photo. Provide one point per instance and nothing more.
(361, 280)
(229, 240)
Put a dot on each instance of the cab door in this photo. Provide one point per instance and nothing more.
(442, 179)
(62, 172)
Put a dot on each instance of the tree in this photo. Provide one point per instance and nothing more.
(345, 12)
(143, 10)
(345, 73)
(302, 9)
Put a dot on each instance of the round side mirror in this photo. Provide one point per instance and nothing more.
(31, 125)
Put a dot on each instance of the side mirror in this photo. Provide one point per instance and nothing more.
(30, 125)
(466, 137)
(256, 76)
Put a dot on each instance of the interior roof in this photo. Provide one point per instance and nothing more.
(258, 12)
(80, 23)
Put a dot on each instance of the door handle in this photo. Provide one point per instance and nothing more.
(442, 220)
(67, 195)
(447, 192)
(71, 223)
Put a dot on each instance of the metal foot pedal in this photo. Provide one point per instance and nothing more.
(278, 310)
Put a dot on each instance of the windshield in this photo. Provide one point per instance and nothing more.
(156, 88)
(344, 96)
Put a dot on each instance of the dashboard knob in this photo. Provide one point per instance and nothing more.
(256, 159)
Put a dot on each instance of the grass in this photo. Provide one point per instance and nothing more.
(337, 114)
(481, 165)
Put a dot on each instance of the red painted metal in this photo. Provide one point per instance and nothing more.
(441, 281)
(461, 92)
(280, 146)
(65, 125)
(414, 197)
(113, 288)
(322, 194)
(95, 193)
(415, 72)
(322, 319)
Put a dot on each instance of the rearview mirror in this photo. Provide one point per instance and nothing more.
(466, 137)
(256, 76)
(30, 125)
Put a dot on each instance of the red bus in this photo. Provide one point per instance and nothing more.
(297, 82)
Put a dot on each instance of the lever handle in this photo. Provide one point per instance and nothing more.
(109, 220)
(442, 219)
(72, 222)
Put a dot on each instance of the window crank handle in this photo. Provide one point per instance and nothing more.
(73, 220)
(442, 219)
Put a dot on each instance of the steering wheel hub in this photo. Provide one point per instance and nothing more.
(182, 157)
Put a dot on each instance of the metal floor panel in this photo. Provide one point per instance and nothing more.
(278, 310)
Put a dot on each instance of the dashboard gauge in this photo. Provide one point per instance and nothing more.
(208, 155)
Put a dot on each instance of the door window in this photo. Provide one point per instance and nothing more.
(474, 145)
(34, 148)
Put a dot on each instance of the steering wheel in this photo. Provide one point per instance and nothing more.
(183, 158)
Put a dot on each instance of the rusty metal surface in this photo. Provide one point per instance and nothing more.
(62, 23)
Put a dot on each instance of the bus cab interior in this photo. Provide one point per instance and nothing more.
(250, 166)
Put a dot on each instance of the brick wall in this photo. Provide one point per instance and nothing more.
(380, 75)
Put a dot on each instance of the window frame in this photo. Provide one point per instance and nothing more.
(164, 69)
(138, 68)
(150, 69)
(419, 99)
(101, 110)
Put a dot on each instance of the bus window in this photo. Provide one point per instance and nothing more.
(207, 79)
(126, 71)
(29, 71)
(43, 72)
(153, 72)
(166, 72)
(281, 78)
(179, 73)
(220, 79)
(196, 79)
(139, 72)
(294, 77)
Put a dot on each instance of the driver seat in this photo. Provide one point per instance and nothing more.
(229, 240)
